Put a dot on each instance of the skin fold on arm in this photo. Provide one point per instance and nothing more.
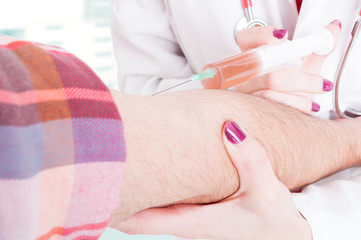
(175, 152)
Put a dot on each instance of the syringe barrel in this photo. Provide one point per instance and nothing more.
(256, 62)
(233, 70)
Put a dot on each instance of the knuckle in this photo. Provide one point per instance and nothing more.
(317, 83)
(269, 36)
(259, 36)
(272, 81)
(266, 94)
(238, 88)
(271, 197)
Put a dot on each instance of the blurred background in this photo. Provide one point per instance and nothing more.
(79, 26)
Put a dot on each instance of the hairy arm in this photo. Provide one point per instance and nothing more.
(175, 152)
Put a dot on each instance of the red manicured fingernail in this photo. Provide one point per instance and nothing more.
(315, 107)
(279, 33)
(327, 85)
(234, 133)
(338, 22)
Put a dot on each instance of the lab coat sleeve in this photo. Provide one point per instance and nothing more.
(148, 55)
(332, 206)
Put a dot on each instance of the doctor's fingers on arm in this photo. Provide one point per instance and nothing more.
(287, 80)
(254, 37)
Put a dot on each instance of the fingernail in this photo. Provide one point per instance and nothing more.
(315, 107)
(338, 22)
(234, 133)
(279, 33)
(327, 85)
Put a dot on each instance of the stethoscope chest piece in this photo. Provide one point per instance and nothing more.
(244, 23)
(248, 21)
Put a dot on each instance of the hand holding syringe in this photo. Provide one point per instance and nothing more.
(259, 61)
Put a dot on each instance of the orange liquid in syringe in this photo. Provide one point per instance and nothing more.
(233, 70)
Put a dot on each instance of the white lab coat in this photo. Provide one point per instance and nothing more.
(159, 43)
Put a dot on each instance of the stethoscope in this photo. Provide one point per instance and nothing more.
(249, 21)
(349, 112)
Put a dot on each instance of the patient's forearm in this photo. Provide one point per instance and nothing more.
(175, 152)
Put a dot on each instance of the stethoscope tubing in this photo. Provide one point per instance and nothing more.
(349, 113)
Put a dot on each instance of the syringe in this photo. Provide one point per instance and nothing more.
(259, 61)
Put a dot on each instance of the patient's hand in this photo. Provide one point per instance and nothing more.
(261, 209)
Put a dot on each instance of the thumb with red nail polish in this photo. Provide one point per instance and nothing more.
(262, 207)
(251, 161)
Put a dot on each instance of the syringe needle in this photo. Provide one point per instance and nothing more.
(208, 73)
(167, 89)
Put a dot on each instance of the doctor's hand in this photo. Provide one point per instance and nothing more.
(294, 87)
(262, 207)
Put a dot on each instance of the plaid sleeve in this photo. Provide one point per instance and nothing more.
(62, 150)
